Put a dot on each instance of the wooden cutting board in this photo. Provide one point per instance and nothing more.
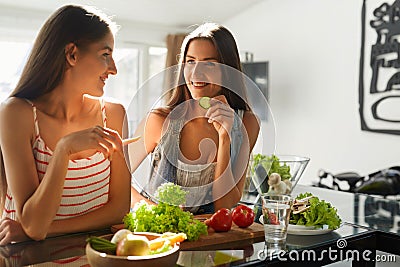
(234, 238)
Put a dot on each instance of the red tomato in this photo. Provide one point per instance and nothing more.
(220, 221)
(243, 216)
(272, 218)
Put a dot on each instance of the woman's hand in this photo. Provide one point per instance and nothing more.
(11, 231)
(221, 115)
(102, 139)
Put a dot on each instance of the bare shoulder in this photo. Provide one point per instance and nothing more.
(16, 115)
(156, 118)
(14, 103)
(115, 109)
(17, 110)
(250, 120)
(116, 115)
(252, 125)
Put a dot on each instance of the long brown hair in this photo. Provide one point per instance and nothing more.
(227, 50)
(46, 64)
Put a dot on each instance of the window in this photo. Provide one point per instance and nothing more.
(134, 64)
(13, 60)
(157, 56)
(150, 90)
(124, 85)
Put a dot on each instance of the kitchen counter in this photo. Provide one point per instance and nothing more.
(369, 224)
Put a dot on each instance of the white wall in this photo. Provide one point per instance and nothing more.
(24, 24)
(313, 47)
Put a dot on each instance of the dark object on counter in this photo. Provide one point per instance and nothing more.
(383, 182)
(261, 179)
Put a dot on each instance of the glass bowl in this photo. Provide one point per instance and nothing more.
(289, 167)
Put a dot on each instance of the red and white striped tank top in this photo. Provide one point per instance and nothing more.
(86, 185)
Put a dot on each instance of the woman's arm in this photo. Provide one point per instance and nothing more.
(227, 182)
(36, 204)
(150, 130)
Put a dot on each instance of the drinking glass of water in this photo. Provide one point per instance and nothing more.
(276, 212)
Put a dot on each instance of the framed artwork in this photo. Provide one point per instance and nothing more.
(379, 80)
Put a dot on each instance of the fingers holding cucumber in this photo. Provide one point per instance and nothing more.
(204, 102)
(219, 113)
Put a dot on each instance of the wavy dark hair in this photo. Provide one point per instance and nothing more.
(46, 64)
(228, 54)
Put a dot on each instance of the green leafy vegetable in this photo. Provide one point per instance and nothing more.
(319, 214)
(165, 217)
(272, 164)
(171, 193)
(102, 245)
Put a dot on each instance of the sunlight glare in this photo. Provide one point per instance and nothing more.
(14, 55)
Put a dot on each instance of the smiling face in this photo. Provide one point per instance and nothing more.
(202, 71)
(95, 63)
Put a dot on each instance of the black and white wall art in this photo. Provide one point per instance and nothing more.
(379, 81)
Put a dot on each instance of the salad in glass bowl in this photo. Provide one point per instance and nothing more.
(276, 174)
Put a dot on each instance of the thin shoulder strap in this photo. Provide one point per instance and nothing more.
(35, 120)
(240, 113)
(237, 122)
(103, 112)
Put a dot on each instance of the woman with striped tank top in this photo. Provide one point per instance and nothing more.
(63, 168)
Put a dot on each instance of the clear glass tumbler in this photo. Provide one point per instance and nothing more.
(276, 212)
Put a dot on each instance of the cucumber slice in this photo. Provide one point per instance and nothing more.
(204, 102)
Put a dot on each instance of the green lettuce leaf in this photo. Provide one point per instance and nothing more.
(319, 214)
(272, 164)
(165, 217)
